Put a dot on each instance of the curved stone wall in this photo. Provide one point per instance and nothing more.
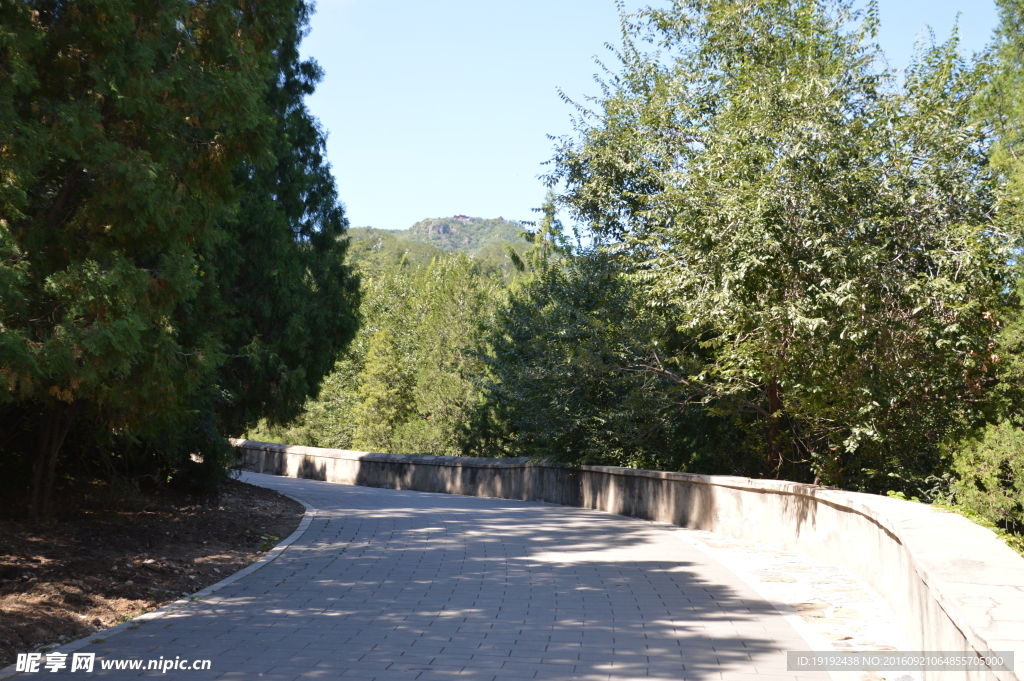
(954, 584)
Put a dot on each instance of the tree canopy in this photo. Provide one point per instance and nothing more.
(828, 230)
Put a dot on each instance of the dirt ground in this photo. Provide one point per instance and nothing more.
(110, 557)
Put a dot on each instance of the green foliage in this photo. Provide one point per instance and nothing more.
(828, 230)
(1002, 102)
(548, 241)
(576, 373)
(988, 461)
(328, 420)
(990, 469)
(289, 299)
(121, 131)
(154, 296)
(385, 395)
(454, 302)
(389, 313)
(407, 382)
(378, 250)
(463, 233)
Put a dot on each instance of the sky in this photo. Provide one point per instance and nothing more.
(440, 108)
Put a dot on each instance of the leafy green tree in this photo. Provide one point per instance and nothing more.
(581, 371)
(830, 228)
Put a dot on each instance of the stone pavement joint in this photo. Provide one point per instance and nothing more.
(392, 585)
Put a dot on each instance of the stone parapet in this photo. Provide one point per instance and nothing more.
(955, 585)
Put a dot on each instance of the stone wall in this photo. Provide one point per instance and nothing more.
(954, 584)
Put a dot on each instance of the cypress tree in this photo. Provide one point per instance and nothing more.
(140, 145)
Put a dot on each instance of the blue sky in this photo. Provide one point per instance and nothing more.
(443, 107)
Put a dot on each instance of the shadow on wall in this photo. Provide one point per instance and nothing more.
(279, 462)
(311, 469)
(664, 499)
(674, 498)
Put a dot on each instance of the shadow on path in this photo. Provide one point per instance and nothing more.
(392, 584)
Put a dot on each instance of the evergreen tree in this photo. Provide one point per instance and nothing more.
(385, 395)
(291, 298)
(989, 461)
(456, 301)
(137, 140)
(278, 285)
(1002, 101)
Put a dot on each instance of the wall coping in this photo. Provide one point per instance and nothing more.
(975, 578)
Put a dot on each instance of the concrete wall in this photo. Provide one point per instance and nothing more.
(955, 585)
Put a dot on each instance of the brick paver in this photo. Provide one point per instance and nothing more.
(398, 585)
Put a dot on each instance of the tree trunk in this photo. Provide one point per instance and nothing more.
(53, 428)
(775, 458)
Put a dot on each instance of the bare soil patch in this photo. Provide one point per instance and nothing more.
(107, 557)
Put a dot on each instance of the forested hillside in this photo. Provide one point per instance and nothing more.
(461, 233)
(487, 241)
(464, 233)
(408, 383)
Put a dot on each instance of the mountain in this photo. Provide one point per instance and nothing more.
(481, 238)
(464, 233)
(457, 233)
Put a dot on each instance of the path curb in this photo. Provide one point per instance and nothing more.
(307, 519)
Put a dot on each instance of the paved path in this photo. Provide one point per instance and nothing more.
(397, 585)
